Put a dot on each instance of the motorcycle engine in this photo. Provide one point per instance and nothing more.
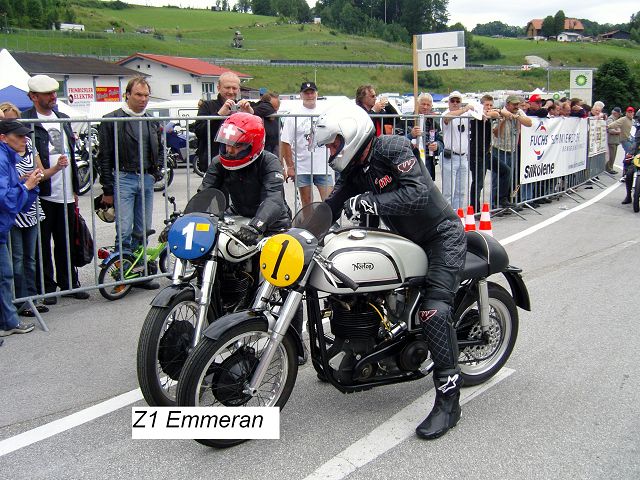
(236, 285)
(355, 323)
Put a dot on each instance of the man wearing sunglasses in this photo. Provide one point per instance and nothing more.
(455, 165)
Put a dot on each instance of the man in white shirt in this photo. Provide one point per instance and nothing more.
(305, 165)
(60, 194)
(455, 164)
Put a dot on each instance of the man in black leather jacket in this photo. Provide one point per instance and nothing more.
(381, 176)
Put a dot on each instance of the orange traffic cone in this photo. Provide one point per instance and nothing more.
(485, 220)
(470, 224)
(461, 216)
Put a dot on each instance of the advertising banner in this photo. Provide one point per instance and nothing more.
(107, 94)
(597, 137)
(553, 147)
(79, 96)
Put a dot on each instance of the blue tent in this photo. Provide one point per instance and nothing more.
(16, 96)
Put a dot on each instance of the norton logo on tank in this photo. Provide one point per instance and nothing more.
(553, 147)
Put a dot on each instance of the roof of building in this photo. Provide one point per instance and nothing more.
(569, 24)
(191, 65)
(613, 32)
(36, 63)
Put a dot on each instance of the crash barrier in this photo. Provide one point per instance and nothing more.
(552, 157)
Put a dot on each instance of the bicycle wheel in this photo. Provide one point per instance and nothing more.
(111, 273)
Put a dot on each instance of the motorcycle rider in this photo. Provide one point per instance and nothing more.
(381, 176)
(253, 179)
(629, 168)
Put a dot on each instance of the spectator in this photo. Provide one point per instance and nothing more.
(265, 108)
(367, 99)
(565, 108)
(507, 138)
(624, 124)
(132, 195)
(553, 109)
(16, 196)
(59, 195)
(535, 107)
(576, 108)
(310, 167)
(630, 168)
(455, 164)
(431, 134)
(596, 111)
(223, 105)
(481, 160)
(613, 140)
(24, 233)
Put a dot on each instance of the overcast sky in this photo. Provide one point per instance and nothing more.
(472, 12)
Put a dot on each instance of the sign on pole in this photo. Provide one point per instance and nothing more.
(581, 85)
(437, 51)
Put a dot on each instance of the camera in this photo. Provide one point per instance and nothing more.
(234, 108)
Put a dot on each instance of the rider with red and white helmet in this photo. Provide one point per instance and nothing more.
(251, 176)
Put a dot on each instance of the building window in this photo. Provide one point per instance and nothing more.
(175, 89)
(148, 65)
(208, 88)
(186, 88)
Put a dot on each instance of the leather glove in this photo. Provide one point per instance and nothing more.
(248, 235)
(362, 203)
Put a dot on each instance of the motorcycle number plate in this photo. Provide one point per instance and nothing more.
(192, 236)
(282, 260)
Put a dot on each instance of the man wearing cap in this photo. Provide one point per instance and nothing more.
(613, 140)
(16, 196)
(305, 164)
(59, 194)
(507, 140)
(455, 164)
(223, 105)
(535, 107)
(624, 124)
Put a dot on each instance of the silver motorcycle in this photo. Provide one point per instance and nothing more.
(369, 284)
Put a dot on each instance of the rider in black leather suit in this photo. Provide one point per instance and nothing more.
(381, 176)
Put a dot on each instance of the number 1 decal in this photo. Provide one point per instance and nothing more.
(188, 232)
(274, 274)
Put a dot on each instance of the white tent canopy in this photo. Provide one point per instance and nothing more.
(14, 74)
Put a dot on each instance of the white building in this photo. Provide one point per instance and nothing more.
(178, 78)
(569, 37)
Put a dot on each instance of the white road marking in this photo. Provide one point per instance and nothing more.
(392, 432)
(66, 423)
(87, 415)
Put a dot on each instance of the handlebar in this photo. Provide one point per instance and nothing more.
(341, 276)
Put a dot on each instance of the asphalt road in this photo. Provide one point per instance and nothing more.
(567, 406)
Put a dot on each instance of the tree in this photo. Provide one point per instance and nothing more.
(548, 26)
(243, 5)
(262, 7)
(36, 15)
(615, 85)
(497, 28)
(558, 22)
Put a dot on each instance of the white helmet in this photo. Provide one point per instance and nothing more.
(352, 124)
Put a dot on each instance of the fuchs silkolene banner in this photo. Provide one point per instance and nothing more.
(553, 147)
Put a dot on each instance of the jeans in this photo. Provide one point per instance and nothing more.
(479, 167)
(455, 178)
(8, 313)
(53, 226)
(23, 251)
(131, 221)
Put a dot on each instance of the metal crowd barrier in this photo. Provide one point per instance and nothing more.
(502, 156)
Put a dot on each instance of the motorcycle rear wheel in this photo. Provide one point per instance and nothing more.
(164, 344)
(166, 179)
(216, 373)
(479, 363)
(196, 167)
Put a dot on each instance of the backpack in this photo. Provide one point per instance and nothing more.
(82, 253)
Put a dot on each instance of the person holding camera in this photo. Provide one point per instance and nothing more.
(223, 105)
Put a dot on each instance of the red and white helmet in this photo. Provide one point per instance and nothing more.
(242, 131)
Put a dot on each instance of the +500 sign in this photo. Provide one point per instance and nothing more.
(441, 58)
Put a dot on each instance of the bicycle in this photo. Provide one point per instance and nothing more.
(130, 265)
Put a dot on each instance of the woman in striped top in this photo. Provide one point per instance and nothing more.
(24, 234)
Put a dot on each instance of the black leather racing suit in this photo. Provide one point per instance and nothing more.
(256, 191)
(405, 197)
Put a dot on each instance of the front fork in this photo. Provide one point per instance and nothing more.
(203, 297)
(483, 305)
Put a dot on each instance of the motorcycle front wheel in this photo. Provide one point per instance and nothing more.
(217, 372)
(479, 363)
(165, 340)
(636, 193)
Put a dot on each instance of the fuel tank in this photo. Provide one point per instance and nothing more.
(376, 260)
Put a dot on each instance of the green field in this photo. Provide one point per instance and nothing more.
(206, 34)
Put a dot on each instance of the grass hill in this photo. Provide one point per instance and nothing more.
(207, 34)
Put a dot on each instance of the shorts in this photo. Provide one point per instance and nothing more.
(319, 180)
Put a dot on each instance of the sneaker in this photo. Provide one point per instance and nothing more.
(77, 295)
(22, 327)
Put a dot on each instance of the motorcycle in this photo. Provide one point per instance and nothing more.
(214, 274)
(165, 177)
(87, 146)
(249, 358)
(177, 142)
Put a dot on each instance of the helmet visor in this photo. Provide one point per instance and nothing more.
(238, 139)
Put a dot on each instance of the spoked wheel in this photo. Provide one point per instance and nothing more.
(110, 273)
(163, 347)
(196, 167)
(167, 178)
(84, 179)
(217, 372)
(478, 363)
